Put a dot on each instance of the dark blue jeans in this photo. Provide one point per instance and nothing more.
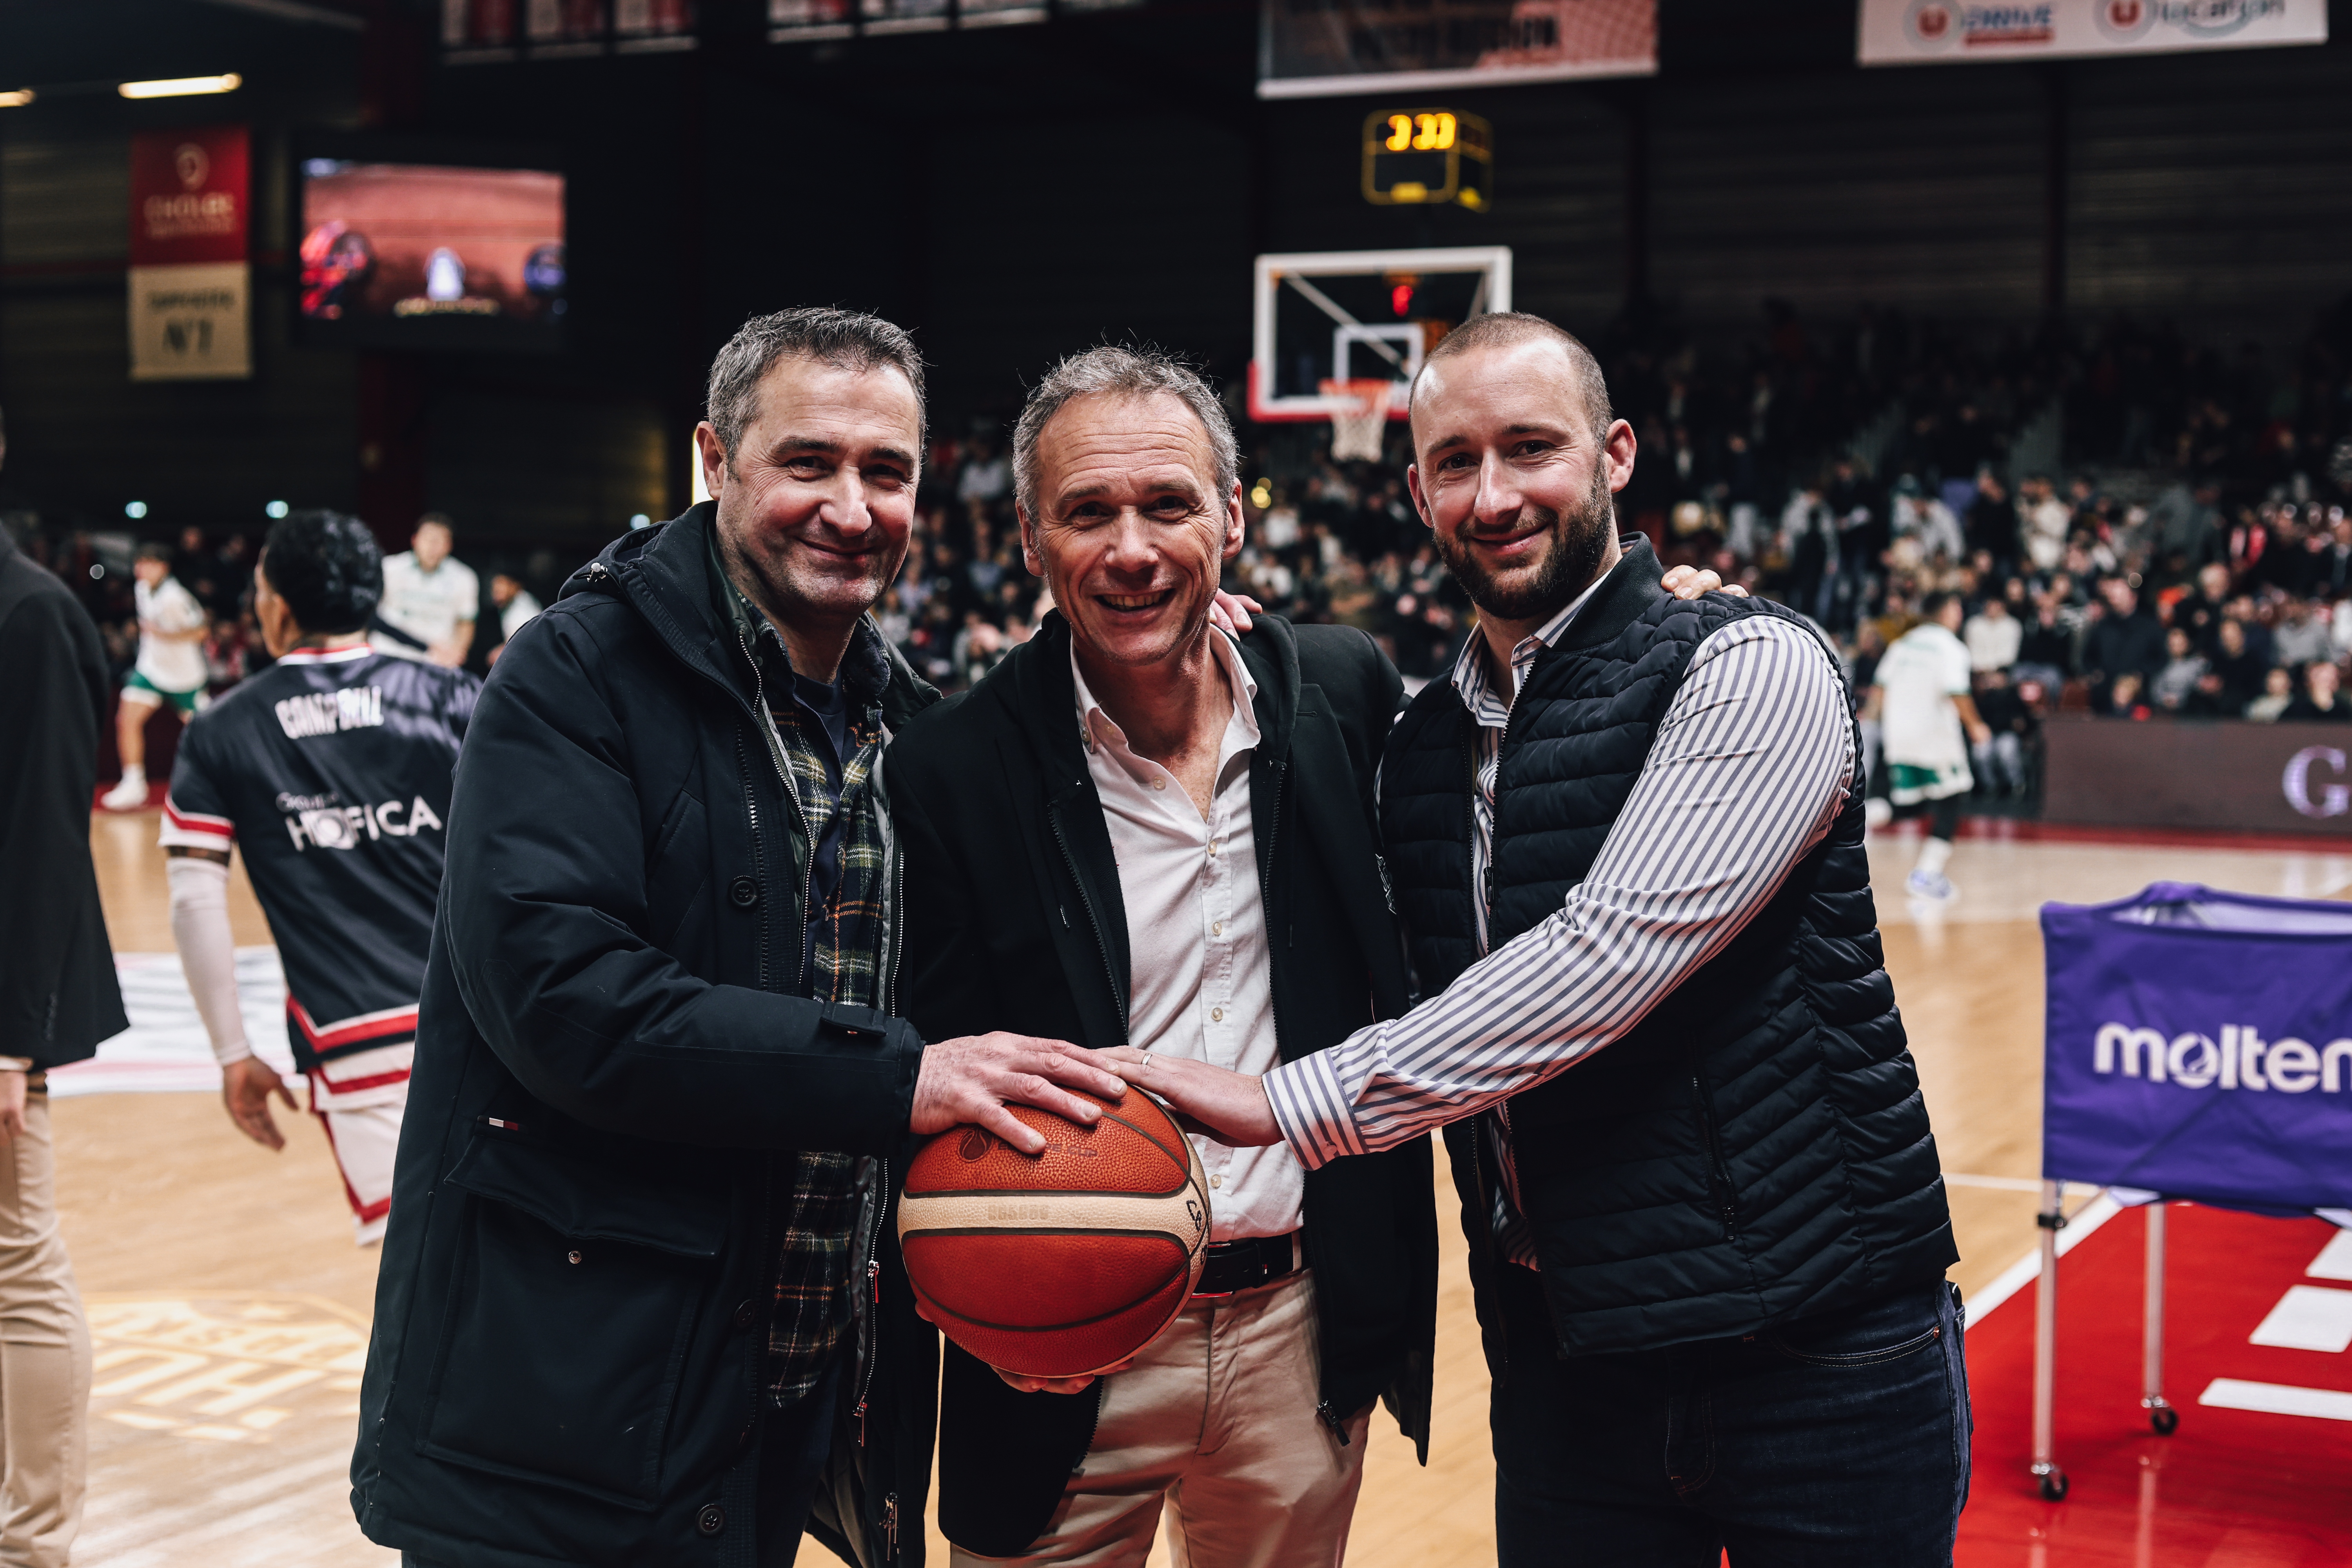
(1840, 1441)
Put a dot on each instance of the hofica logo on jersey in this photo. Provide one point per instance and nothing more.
(2240, 1058)
(328, 712)
(319, 822)
(1943, 24)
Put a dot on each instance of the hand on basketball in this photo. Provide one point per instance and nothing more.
(1230, 1107)
(1232, 612)
(970, 1080)
(12, 1106)
(1690, 581)
(245, 1088)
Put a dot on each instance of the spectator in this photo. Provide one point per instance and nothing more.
(2300, 637)
(1992, 521)
(1993, 637)
(2047, 522)
(2009, 723)
(2238, 672)
(516, 605)
(2127, 640)
(2278, 696)
(2176, 686)
(430, 598)
(987, 478)
(2045, 650)
(2123, 699)
(2321, 700)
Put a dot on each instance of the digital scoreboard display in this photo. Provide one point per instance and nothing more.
(431, 256)
(1419, 157)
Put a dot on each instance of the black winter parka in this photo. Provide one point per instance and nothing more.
(611, 1082)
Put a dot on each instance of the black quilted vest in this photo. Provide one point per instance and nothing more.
(1756, 1150)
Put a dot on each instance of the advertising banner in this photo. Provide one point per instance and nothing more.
(1313, 48)
(2223, 772)
(191, 282)
(2199, 1044)
(1928, 32)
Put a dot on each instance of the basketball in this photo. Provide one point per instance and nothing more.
(1062, 1263)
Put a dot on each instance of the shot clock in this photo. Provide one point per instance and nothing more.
(1428, 156)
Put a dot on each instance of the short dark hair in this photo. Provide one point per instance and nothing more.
(327, 567)
(1932, 604)
(1500, 329)
(153, 550)
(847, 340)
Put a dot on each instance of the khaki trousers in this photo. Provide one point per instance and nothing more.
(44, 1358)
(1216, 1422)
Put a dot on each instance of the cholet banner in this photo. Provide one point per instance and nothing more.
(191, 278)
(1962, 32)
(1325, 49)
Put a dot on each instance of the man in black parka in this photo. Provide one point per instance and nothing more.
(630, 1308)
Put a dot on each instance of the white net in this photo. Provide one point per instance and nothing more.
(1359, 426)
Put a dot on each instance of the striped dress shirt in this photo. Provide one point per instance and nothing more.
(1749, 769)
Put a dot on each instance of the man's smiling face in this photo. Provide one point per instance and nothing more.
(816, 503)
(1132, 534)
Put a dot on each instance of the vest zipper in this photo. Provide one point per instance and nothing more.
(1086, 902)
(874, 1285)
(1331, 1418)
(1720, 1171)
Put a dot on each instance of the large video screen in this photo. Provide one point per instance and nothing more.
(428, 255)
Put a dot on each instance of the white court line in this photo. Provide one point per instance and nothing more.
(2308, 1318)
(2277, 1399)
(2023, 1272)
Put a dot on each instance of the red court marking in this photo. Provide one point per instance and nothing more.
(2231, 1489)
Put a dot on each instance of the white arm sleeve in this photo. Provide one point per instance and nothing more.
(207, 950)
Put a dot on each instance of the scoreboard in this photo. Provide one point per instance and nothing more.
(1428, 157)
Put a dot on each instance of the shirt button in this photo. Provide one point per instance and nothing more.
(1217, 1015)
(1217, 928)
(1159, 784)
(1217, 1181)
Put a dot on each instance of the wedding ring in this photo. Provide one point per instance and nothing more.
(1146, 1063)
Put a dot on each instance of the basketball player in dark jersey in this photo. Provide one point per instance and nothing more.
(332, 769)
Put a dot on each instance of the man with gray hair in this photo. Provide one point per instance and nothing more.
(630, 1306)
(1141, 831)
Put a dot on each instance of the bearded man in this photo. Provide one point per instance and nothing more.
(1707, 1221)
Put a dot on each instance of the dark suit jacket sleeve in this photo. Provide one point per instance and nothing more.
(945, 991)
(541, 903)
(58, 978)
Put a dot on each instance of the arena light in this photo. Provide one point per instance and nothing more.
(182, 87)
(16, 98)
(640, 520)
(277, 509)
(134, 509)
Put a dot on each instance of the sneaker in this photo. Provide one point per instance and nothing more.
(1932, 885)
(130, 795)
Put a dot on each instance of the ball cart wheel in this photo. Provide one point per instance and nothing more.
(2053, 1485)
(2165, 1419)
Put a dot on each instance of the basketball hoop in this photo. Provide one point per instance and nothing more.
(1359, 428)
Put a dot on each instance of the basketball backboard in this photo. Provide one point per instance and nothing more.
(1342, 315)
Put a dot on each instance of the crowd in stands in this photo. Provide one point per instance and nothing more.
(2141, 529)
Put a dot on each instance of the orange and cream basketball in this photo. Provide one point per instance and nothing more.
(1060, 1263)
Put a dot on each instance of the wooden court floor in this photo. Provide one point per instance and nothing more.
(224, 1286)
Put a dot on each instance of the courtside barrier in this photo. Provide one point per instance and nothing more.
(2198, 1046)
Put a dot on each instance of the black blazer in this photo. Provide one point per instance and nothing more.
(58, 992)
(1012, 920)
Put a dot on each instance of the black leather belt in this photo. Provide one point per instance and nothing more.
(1244, 1265)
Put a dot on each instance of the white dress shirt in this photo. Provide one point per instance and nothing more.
(1200, 977)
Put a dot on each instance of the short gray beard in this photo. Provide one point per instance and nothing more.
(1580, 543)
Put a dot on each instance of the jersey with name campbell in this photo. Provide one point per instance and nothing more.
(332, 771)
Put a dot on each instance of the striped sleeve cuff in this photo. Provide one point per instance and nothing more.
(1311, 1107)
(194, 830)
